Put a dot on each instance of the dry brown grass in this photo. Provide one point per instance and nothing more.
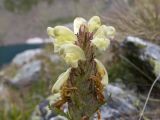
(139, 18)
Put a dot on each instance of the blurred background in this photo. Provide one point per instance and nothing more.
(29, 68)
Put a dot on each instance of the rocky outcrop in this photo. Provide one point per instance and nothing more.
(27, 67)
(27, 74)
(26, 56)
(144, 55)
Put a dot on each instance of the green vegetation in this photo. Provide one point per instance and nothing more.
(22, 103)
(127, 72)
(19, 5)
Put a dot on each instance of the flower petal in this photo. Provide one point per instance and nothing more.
(101, 43)
(105, 31)
(94, 23)
(62, 35)
(61, 81)
(72, 54)
(77, 23)
(105, 80)
(102, 71)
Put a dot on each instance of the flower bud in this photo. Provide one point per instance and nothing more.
(77, 23)
(94, 23)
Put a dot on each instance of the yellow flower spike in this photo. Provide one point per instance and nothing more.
(77, 23)
(62, 35)
(105, 31)
(102, 71)
(94, 23)
(61, 81)
(72, 54)
(101, 43)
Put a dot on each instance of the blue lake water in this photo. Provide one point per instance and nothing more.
(7, 53)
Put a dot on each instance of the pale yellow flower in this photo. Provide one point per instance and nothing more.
(77, 23)
(102, 36)
(101, 43)
(62, 35)
(105, 31)
(62, 79)
(102, 71)
(94, 23)
(72, 54)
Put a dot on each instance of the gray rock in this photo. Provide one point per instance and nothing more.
(145, 55)
(119, 104)
(26, 56)
(29, 55)
(27, 74)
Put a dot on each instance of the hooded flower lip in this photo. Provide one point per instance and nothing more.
(94, 23)
(62, 35)
(62, 79)
(72, 54)
(102, 71)
(77, 23)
